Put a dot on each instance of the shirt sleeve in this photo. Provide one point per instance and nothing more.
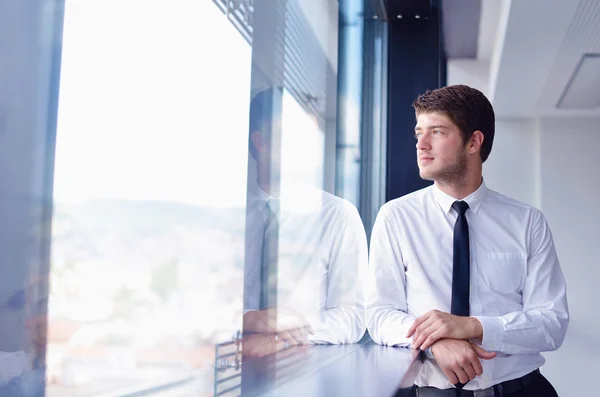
(343, 319)
(387, 315)
(542, 324)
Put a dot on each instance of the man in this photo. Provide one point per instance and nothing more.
(464, 273)
(306, 250)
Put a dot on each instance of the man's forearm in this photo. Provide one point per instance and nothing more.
(524, 332)
(475, 329)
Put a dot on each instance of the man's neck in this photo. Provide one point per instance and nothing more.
(460, 189)
(266, 185)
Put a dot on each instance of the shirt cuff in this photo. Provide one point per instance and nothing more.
(492, 333)
(428, 353)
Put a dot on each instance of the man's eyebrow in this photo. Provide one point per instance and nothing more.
(431, 127)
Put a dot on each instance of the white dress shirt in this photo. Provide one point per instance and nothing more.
(517, 290)
(321, 263)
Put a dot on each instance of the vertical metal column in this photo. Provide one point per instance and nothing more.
(416, 64)
(30, 51)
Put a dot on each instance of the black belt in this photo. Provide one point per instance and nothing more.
(501, 389)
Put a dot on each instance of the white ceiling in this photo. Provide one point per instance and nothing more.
(461, 28)
(488, 27)
(544, 43)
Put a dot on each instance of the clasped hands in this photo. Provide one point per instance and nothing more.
(271, 331)
(449, 337)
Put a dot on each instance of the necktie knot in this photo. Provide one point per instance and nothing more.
(273, 205)
(460, 207)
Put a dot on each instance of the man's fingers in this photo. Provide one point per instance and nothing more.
(450, 375)
(461, 375)
(420, 333)
(477, 367)
(299, 335)
(286, 339)
(431, 339)
(417, 322)
(469, 370)
(420, 321)
(420, 336)
(486, 355)
(413, 327)
(476, 371)
(423, 331)
(259, 345)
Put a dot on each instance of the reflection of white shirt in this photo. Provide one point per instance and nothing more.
(322, 262)
(13, 364)
(518, 291)
(387, 367)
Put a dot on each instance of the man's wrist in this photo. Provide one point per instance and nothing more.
(476, 329)
(429, 352)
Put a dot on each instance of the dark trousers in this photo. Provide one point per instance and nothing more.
(540, 387)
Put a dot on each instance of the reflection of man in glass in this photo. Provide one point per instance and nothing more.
(306, 250)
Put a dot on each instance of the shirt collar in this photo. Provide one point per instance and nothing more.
(474, 199)
(255, 193)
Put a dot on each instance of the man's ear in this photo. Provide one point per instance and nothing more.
(257, 140)
(476, 141)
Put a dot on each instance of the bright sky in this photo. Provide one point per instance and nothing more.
(153, 105)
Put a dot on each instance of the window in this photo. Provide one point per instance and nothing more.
(150, 190)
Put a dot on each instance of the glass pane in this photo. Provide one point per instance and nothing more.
(179, 125)
(168, 216)
(302, 146)
(150, 192)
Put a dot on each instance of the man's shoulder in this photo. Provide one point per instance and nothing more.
(411, 198)
(514, 211)
(408, 202)
(495, 198)
(326, 206)
(336, 203)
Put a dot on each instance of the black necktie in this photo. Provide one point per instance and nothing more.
(460, 265)
(461, 262)
(268, 271)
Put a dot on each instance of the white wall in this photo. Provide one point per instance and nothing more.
(553, 164)
(472, 72)
(570, 197)
(513, 166)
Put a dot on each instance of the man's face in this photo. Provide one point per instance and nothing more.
(441, 152)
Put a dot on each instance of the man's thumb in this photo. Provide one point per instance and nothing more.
(486, 355)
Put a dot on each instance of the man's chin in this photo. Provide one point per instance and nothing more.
(428, 176)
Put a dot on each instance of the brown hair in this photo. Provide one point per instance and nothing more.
(467, 107)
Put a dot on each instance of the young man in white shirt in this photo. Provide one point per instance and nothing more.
(464, 273)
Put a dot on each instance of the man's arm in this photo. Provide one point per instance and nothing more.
(542, 324)
(343, 320)
(459, 359)
(387, 318)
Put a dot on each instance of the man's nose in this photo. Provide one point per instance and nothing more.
(423, 143)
